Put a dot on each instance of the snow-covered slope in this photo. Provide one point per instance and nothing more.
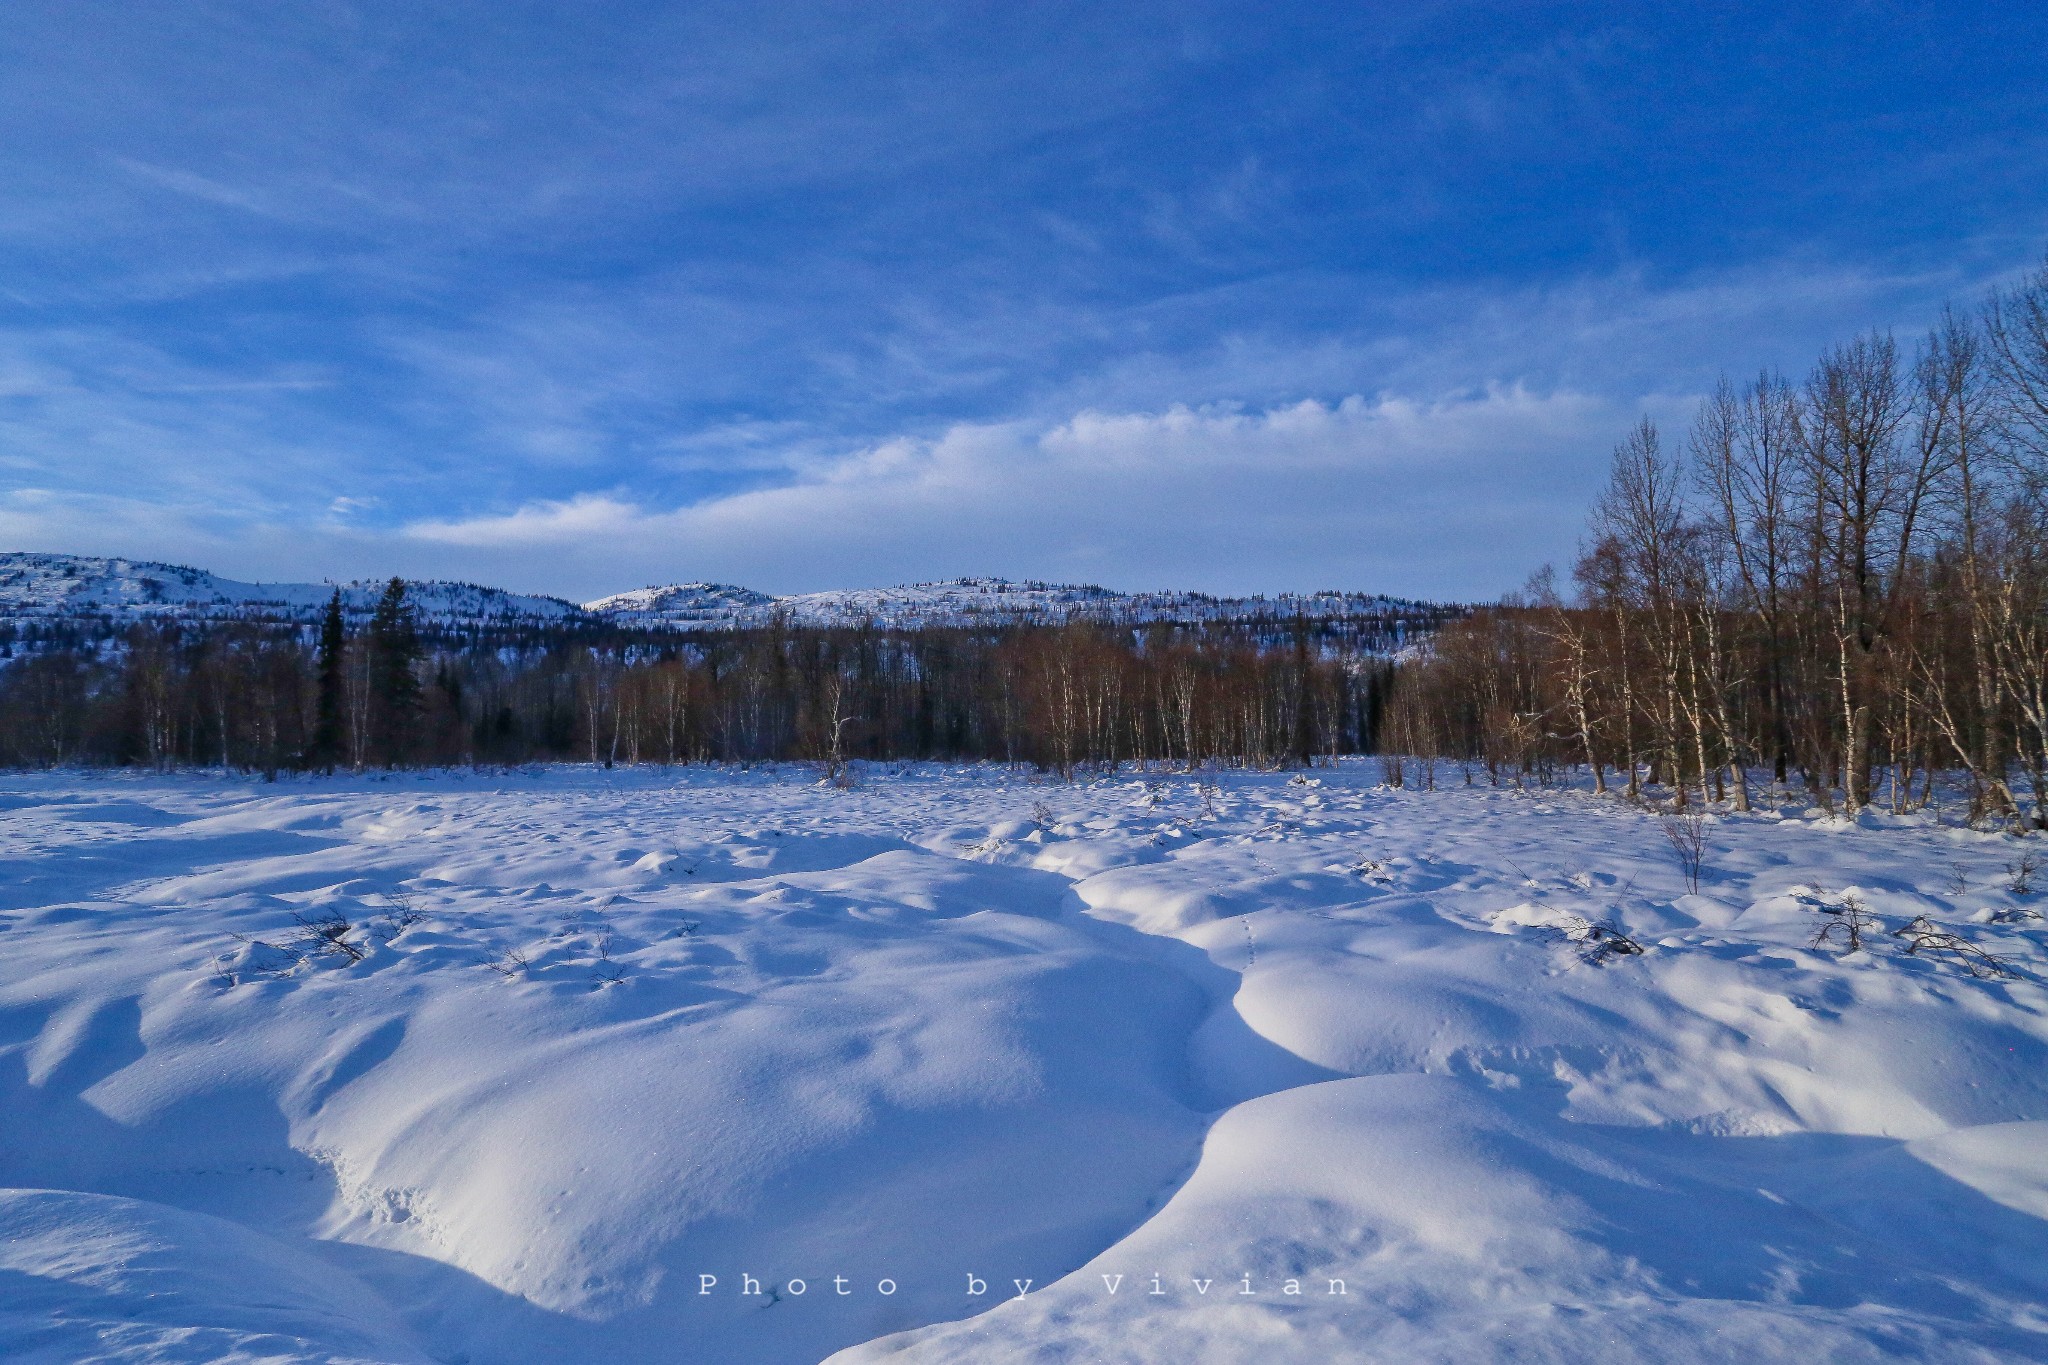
(967, 601)
(50, 587)
(684, 605)
(730, 1067)
(55, 587)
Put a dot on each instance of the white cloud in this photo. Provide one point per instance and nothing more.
(1457, 495)
(540, 525)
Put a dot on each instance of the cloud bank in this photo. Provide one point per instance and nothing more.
(1457, 496)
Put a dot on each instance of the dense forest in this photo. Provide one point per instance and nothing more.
(1840, 581)
(269, 696)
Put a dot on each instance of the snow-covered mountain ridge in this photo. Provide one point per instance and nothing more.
(71, 587)
(58, 587)
(959, 601)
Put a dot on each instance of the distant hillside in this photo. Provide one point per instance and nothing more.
(692, 605)
(78, 587)
(95, 595)
(961, 601)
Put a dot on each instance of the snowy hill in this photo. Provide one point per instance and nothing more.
(115, 592)
(73, 587)
(964, 601)
(683, 605)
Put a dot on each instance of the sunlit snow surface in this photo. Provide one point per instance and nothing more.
(957, 1024)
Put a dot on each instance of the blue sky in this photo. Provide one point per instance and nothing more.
(578, 297)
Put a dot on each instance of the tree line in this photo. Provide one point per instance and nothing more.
(1841, 581)
(272, 697)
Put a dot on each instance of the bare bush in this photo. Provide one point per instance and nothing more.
(2020, 873)
(1686, 831)
(1596, 942)
(326, 932)
(1847, 924)
(1923, 935)
(404, 912)
(405, 909)
(609, 973)
(509, 964)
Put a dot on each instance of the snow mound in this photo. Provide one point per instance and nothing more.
(89, 1277)
(1424, 1218)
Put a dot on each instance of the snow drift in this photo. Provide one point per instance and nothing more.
(728, 1066)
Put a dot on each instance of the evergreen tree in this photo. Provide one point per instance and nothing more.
(326, 746)
(394, 685)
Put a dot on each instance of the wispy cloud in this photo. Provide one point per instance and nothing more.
(200, 187)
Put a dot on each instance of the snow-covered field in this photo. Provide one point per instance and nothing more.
(600, 1054)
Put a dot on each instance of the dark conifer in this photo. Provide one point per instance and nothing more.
(326, 746)
(394, 685)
